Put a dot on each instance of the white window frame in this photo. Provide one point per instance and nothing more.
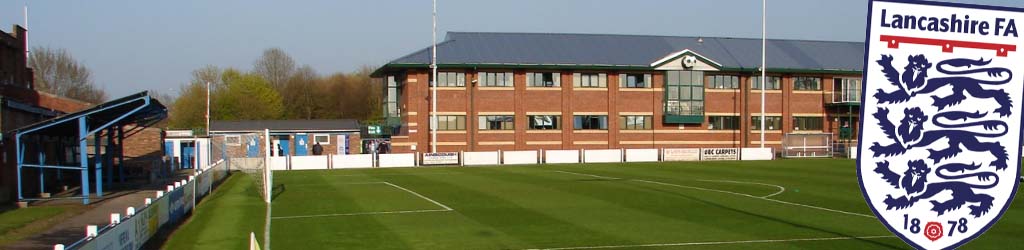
(328, 136)
(238, 139)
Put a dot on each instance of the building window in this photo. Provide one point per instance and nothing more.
(806, 83)
(451, 79)
(770, 122)
(808, 123)
(543, 79)
(846, 90)
(323, 139)
(684, 93)
(723, 122)
(774, 83)
(724, 82)
(589, 80)
(597, 122)
(394, 92)
(634, 80)
(635, 122)
(497, 122)
(545, 122)
(496, 79)
(233, 140)
(451, 122)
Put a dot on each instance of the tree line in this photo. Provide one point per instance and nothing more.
(275, 89)
(57, 72)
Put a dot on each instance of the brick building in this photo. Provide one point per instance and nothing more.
(21, 104)
(290, 137)
(524, 91)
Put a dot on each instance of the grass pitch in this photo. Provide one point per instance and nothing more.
(783, 204)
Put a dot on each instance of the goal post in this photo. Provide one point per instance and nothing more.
(248, 152)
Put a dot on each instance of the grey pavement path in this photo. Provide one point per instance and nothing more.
(73, 229)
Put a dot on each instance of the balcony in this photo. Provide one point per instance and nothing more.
(846, 91)
(846, 97)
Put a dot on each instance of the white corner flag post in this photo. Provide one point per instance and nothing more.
(764, 69)
(433, 84)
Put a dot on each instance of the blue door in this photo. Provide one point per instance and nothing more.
(169, 149)
(282, 144)
(300, 144)
(253, 147)
(188, 150)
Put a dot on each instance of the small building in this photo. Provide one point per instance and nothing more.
(185, 150)
(288, 137)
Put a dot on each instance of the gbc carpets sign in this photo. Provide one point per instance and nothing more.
(941, 134)
(719, 154)
(444, 158)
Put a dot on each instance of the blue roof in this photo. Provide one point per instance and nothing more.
(483, 48)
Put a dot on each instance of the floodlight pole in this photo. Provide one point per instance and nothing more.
(433, 84)
(764, 69)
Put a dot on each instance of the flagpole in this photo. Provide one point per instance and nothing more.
(26, 33)
(433, 99)
(207, 108)
(764, 69)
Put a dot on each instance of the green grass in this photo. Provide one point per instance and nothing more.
(16, 224)
(224, 219)
(555, 206)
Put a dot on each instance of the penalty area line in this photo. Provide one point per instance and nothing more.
(781, 188)
(420, 195)
(725, 192)
(363, 213)
(707, 243)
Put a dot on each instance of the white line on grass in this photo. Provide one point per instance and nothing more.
(363, 213)
(589, 175)
(713, 243)
(781, 189)
(334, 183)
(421, 196)
(373, 175)
(446, 208)
(728, 192)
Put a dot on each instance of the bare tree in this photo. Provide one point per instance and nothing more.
(207, 74)
(162, 97)
(299, 93)
(275, 66)
(57, 72)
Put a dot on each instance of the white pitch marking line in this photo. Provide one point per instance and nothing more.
(714, 243)
(364, 213)
(589, 175)
(446, 208)
(733, 193)
(335, 183)
(421, 196)
(373, 175)
(781, 188)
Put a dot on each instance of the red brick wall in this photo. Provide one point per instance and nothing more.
(520, 100)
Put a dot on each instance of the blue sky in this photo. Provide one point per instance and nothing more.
(138, 45)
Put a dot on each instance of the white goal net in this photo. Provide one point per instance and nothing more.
(245, 152)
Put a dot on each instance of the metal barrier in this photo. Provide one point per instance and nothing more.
(132, 229)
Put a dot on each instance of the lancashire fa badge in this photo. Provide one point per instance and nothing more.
(940, 145)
